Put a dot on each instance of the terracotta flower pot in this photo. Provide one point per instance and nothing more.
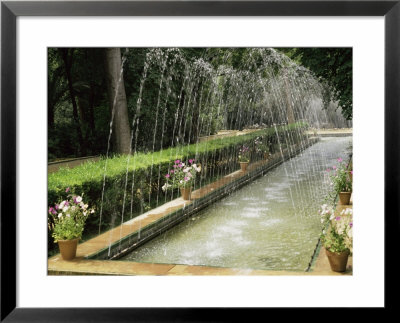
(344, 198)
(243, 166)
(337, 261)
(68, 248)
(186, 192)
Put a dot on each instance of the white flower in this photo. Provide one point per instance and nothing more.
(68, 215)
(65, 209)
(164, 188)
(79, 199)
(350, 233)
(347, 211)
(73, 208)
(59, 215)
(84, 213)
(180, 181)
(92, 211)
(61, 205)
(85, 206)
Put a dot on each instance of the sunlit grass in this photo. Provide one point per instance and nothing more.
(94, 171)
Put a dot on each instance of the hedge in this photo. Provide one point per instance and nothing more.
(138, 178)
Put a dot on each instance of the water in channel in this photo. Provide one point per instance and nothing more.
(270, 224)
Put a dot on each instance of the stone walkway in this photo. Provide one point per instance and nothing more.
(340, 132)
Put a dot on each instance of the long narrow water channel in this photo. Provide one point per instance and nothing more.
(270, 224)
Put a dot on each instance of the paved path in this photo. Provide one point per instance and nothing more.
(70, 163)
(331, 132)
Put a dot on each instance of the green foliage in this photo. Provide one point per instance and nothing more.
(261, 145)
(340, 178)
(122, 187)
(335, 67)
(91, 97)
(67, 219)
(244, 154)
(173, 96)
(182, 175)
(337, 233)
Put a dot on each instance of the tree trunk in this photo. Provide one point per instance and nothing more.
(117, 99)
(67, 57)
(91, 96)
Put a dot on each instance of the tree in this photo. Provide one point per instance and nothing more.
(67, 55)
(335, 67)
(117, 101)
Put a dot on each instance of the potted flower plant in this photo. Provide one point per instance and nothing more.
(261, 147)
(341, 182)
(337, 237)
(244, 157)
(67, 221)
(182, 176)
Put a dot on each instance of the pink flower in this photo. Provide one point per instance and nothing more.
(328, 170)
(177, 161)
(56, 206)
(351, 224)
(171, 171)
(186, 178)
(67, 190)
(334, 167)
(340, 160)
(167, 176)
(191, 161)
(337, 218)
(175, 166)
(351, 172)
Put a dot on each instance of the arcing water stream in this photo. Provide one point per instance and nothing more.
(271, 224)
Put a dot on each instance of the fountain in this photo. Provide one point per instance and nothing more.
(267, 215)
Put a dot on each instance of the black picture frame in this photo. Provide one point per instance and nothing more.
(10, 10)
